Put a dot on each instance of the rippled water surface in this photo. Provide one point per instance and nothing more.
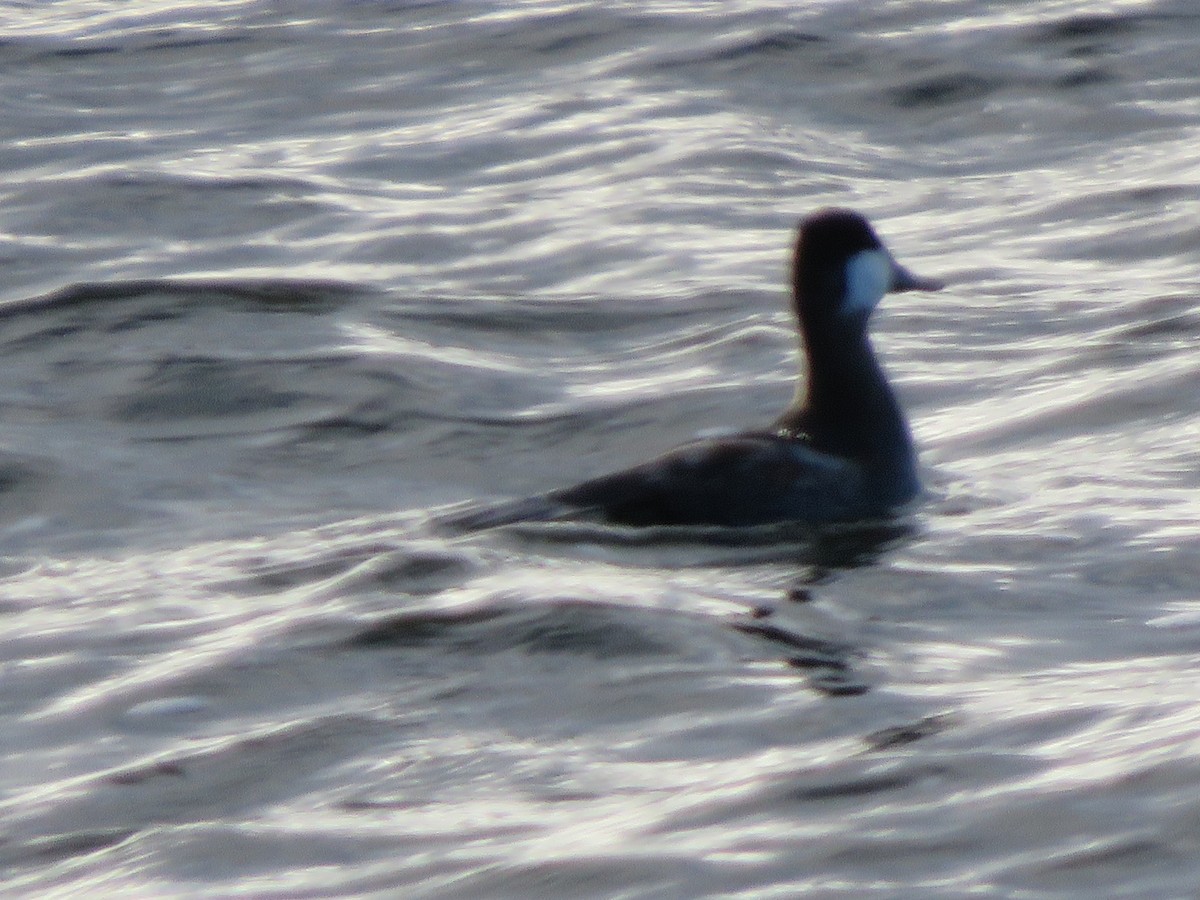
(280, 281)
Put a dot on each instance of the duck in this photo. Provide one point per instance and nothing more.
(842, 450)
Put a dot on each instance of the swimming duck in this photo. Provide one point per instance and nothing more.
(840, 452)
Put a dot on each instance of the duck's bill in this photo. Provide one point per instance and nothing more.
(904, 280)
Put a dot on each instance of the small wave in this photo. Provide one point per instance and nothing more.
(580, 627)
(752, 49)
(292, 295)
(34, 49)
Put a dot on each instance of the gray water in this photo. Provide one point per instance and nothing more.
(281, 281)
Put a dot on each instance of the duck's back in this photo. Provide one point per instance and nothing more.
(746, 479)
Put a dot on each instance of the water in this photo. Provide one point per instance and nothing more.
(282, 280)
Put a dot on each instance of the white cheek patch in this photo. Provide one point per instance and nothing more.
(868, 278)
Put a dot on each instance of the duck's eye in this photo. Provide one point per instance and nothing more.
(868, 277)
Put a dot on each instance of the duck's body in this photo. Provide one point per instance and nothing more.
(842, 450)
(744, 479)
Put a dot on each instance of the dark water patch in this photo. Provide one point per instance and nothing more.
(943, 90)
(399, 411)
(560, 33)
(52, 51)
(746, 52)
(367, 421)
(855, 546)
(169, 186)
(816, 661)
(397, 804)
(563, 627)
(881, 781)
(1157, 193)
(1087, 36)
(144, 43)
(766, 45)
(81, 51)
(425, 629)
(69, 844)
(1106, 204)
(1117, 855)
(206, 388)
(1154, 328)
(142, 774)
(567, 42)
(24, 485)
(579, 631)
(282, 295)
(1084, 78)
(829, 653)
(18, 474)
(1088, 27)
(904, 735)
(834, 682)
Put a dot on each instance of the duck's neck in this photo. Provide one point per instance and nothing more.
(843, 404)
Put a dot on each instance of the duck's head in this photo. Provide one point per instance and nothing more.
(842, 270)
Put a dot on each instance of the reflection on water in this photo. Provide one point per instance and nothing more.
(280, 289)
